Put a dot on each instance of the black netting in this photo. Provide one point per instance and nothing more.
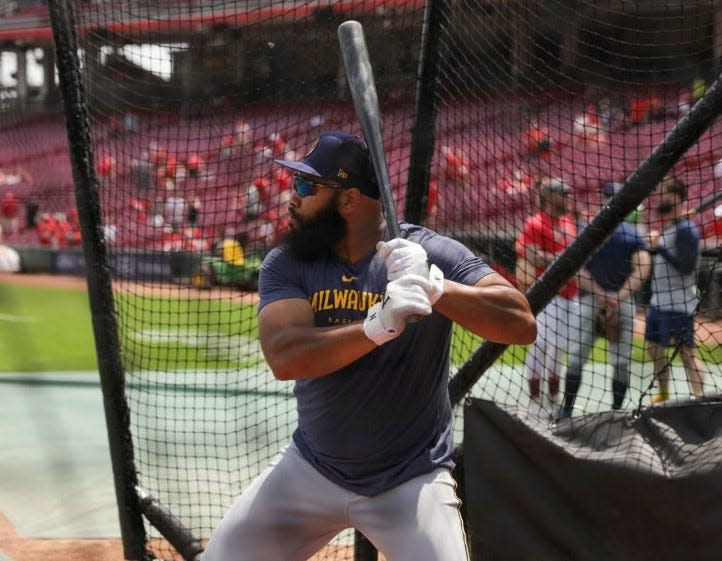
(190, 102)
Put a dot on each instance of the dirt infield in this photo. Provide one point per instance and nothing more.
(24, 549)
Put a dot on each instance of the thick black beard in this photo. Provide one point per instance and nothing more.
(315, 237)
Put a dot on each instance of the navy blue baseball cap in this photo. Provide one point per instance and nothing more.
(339, 158)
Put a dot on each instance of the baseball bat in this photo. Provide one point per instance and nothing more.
(706, 203)
(363, 90)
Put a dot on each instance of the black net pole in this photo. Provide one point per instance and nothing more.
(363, 549)
(636, 188)
(100, 292)
(422, 135)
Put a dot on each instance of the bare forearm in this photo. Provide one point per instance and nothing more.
(497, 313)
(302, 352)
(641, 268)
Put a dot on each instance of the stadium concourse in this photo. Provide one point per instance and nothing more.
(480, 196)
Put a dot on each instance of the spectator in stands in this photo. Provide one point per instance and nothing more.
(13, 178)
(609, 115)
(47, 231)
(545, 235)
(684, 104)
(110, 233)
(455, 166)
(608, 283)
(670, 316)
(62, 229)
(282, 180)
(10, 213)
(158, 154)
(194, 240)
(114, 125)
(107, 169)
(131, 124)
(279, 190)
(588, 128)
(516, 183)
(227, 143)
(537, 141)
(243, 133)
(171, 168)
(256, 196)
(175, 211)
(195, 165)
(277, 144)
(142, 172)
(644, 109)
(194, 211)
(171, 240)
(156, 214)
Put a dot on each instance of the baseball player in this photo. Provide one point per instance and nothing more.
(545, 235)
(608, 283)
(670, 316)
(372, 450)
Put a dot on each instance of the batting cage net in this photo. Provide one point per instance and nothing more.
(525, 129)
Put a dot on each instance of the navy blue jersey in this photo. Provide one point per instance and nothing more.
(611, 266)
(674, 273)
(386, 417)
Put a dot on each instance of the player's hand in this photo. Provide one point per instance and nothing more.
(405, 298)
(403, 257)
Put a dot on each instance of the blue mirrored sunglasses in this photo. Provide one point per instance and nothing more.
(307, 188)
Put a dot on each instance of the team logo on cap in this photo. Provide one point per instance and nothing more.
(342, 174)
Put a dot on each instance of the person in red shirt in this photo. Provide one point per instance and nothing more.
(455, 166)
(227, 143)
(537, 141)
(10, 213)
(545, 235)
(48, 231)
(195, 165)
(107, 168)
(587, 127)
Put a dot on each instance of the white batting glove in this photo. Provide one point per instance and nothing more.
(403, 257)
(405, 298)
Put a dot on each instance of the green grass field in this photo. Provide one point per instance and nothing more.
(44, 329)
(49, 329)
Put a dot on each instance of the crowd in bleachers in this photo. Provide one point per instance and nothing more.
(177, 183)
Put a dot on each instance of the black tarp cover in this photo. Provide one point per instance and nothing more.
(601, 487)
